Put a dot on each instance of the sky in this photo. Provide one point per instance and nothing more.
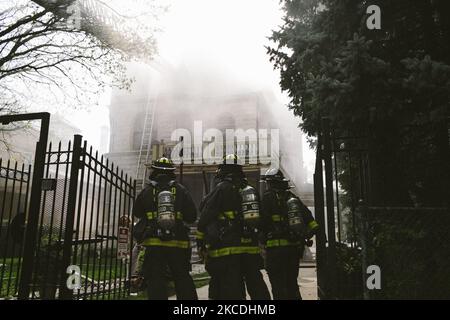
(229, 35)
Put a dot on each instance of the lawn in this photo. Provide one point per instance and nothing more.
(200, 280)
(9, 273)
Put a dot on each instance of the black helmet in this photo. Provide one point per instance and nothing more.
(276, 180)
(274, 175)
(163, 164)
(232, 159)
(231, 164)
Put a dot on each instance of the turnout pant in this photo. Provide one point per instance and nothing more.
(159, 260)
(282, 265)
(251, 265)
(226, 278)
(213, 287)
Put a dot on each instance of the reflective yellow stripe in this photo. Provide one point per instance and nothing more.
(313, 225)
(246, 240)
(153, 215)
(280, 243)
(251, 250)
(141, 255)
(232, 250)
(170, 243)
(277, 218)
(199, 235)
(227, 215)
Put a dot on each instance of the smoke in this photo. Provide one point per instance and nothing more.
(211, 51)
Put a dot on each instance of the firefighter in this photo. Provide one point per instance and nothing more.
(201, 248)
(287, 225)
(251, 259)
(220, 230)
(166, 206)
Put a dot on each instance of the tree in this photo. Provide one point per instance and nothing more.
(391, 89)
(43, 45)
(390, 85)
(66, 51)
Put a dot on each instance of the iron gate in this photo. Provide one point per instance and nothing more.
(15, 187)
(84, 199)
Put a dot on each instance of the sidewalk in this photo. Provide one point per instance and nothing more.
(307, 280)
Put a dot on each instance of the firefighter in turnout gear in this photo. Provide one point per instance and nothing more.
(201, 247)
(251, 259)
(287, 224)
(231, 246)
(164, 207)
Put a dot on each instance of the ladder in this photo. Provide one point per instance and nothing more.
(146, 143)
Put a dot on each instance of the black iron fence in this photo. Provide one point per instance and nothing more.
(85, 201)
(410, 245)
(412, 248)
(14, 195)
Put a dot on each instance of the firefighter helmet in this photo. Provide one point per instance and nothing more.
(164, 164)
(231, 163)
(274, 175)
(276, 180)
(232, 159)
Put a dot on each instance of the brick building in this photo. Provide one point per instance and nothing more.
(163, 99)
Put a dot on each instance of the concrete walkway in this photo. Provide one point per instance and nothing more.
(307, 280)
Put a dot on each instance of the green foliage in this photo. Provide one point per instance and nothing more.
(390, 87)
(349, 272)
(50, 60)
(384, 85)
(412, 250)
(9, 285)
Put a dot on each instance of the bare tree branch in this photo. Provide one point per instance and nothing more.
(45, 60)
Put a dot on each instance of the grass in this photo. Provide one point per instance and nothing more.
(104, 272)
(97, 273)
(9, 277)
(200, 280)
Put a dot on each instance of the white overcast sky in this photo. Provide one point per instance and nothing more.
(228, 33)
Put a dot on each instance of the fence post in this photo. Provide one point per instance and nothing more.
(361, 213)
(64, 292)
(320, 218)
(331, 227)
(35, 204)
(129, 273)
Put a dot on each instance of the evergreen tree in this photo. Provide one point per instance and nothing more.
(390, 85)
